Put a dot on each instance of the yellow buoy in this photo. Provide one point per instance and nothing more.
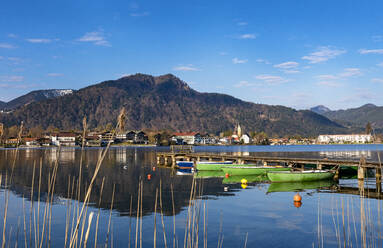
(244, 185)
(244, 181)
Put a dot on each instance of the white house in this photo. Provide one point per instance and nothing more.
(345, 138)
(64, 139)
(245, 138)
(188, 138)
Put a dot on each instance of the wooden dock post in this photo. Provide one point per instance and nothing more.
(361, 172)
(173, 161)
(210, 159)
(198, 158)
(158, 160)
(362, 168)
(319, 166)
(378, 176)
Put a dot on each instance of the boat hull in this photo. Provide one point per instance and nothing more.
(214, 167)
(281, 176)
(251, 170)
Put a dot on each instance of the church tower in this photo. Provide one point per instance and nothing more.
(239, 131)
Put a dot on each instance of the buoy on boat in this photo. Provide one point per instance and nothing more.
(225, 188)
(227, 175)
(297, 198)
(244, 181)
(149, 177)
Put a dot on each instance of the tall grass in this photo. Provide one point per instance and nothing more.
(38, 221)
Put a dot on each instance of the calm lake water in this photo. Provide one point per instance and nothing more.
(223, 213)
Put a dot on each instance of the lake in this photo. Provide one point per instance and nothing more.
(42, 198)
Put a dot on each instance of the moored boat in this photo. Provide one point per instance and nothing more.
(185, 164)
(299, 176)
(249, 179)
(216, 166)
(209, 174)
(251, 170)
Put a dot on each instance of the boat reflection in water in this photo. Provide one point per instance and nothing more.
(300, 186)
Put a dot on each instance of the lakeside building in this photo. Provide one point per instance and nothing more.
(135, 137)
(186, 138)
(64, 139)
(345, 138)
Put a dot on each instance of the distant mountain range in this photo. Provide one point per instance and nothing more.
(165, 102)
(358, 117)
(320, 109)
(34, 96)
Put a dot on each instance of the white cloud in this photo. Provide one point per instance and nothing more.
(54, 74)
(11, 78)
(347, 72)
(96, 37)
(329, 84)
(239, 61)
(291, 71)
(287, 65)
(247, 36)
(371, 51)
(327, 77)
(6, 46)
(185, 68)
(140, 14)
(12, 36)
(377, 80)
(380, 64)
(323, 54)
(243, 84)
(350, 72)
(242, 23)
(38, 40)
(271, 79)
(263, 61)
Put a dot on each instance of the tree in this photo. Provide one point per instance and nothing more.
(368, 128)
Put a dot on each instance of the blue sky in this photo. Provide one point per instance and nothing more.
(293, 53)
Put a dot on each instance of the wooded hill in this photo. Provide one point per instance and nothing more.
(166, 102)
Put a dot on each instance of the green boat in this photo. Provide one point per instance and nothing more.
(249, 178)
(298, 186)
(216, 167)
(299, 176)
(209, 174)
(251, 170)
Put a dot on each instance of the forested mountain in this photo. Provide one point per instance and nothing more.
(166, 102)
(320, 109)
(34, 96)
(359, 117)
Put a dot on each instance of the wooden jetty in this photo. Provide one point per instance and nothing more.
(185, 153)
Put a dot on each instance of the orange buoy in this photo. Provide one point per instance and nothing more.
(149, 176)
(154, 168)
(297, 204)
(227, 175)
(297, 198)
